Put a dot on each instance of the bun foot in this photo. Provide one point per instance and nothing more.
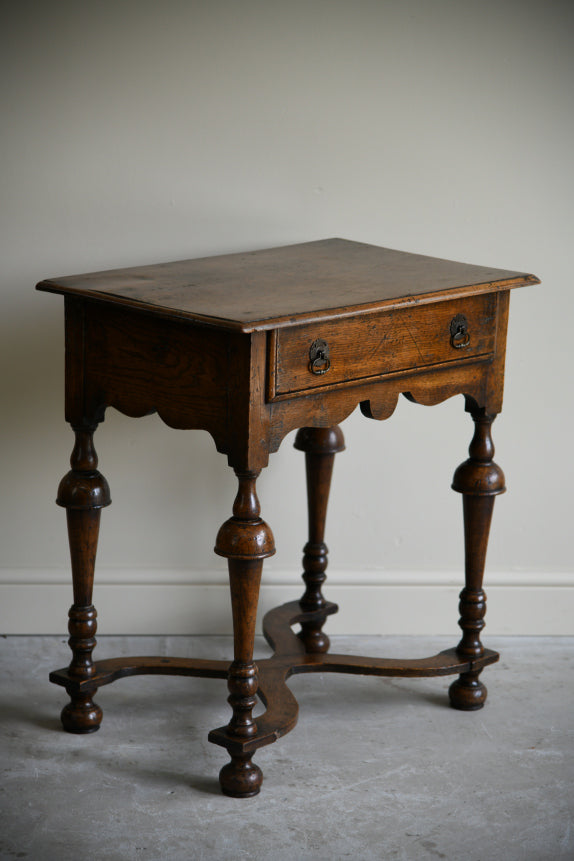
(240, 778)
(467, 693)
(81, 716)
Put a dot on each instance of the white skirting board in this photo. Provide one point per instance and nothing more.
(371, 602)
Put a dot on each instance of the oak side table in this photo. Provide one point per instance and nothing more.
(249, 347)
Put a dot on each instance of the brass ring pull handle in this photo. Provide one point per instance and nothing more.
(459, 335)
(319, 361)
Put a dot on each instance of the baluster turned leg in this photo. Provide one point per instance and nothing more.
(246, 540)
(83, 492)
(320, 446)
(479, 479)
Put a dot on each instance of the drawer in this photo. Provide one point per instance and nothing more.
(385, 342)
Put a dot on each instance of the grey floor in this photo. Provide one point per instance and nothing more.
(375, 769)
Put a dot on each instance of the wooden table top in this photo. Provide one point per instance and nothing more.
(289, 285)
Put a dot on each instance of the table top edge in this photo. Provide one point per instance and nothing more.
(112, 290)
(281, 322)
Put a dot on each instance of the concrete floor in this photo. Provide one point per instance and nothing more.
(375, 769)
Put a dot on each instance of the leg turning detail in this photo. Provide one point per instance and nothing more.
(479, 479)
(245, 540)
(83, 492)
(320, 446)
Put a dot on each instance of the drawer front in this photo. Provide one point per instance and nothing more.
(344, 351)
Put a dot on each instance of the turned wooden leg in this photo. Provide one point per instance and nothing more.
(245, 540)
(480, 480)
(320, 446)
(83, 492)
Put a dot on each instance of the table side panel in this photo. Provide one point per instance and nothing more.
(140, 363)
(495, 382)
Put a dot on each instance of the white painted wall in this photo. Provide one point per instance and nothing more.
(138, 132)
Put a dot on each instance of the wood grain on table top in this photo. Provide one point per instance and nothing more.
(288, 285)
